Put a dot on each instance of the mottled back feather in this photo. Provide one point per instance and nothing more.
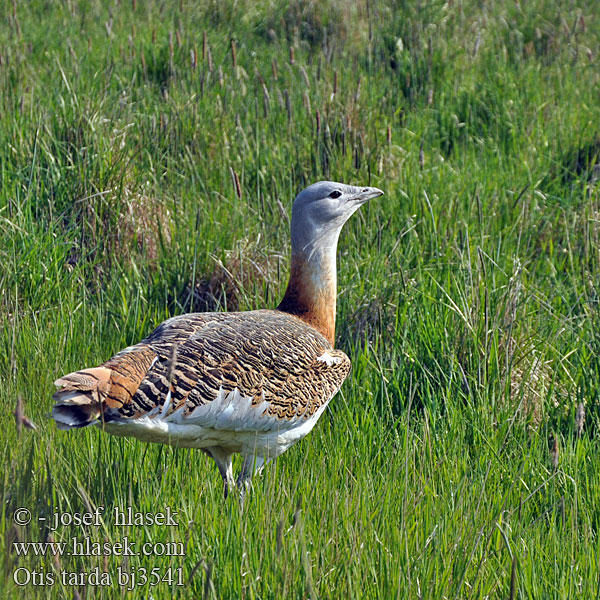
(267, 355)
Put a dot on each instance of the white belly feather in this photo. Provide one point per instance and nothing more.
(230, 421)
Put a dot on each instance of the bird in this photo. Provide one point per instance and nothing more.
(251, 382)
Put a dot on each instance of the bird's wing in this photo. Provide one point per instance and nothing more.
(255, 371)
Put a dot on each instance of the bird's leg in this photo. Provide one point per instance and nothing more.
(252, 466)
(223, 460)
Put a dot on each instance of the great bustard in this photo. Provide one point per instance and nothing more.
(251, 382)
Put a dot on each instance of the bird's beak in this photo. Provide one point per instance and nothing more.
(368, 193)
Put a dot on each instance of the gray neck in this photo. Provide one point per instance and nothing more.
(316, 249)
(311, 291)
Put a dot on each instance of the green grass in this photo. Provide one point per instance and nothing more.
(450, 465)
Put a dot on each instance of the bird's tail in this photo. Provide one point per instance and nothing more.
(79, 401)
(100, 393)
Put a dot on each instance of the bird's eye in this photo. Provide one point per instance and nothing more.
(335, 194)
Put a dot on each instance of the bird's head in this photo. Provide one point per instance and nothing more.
(320, 211)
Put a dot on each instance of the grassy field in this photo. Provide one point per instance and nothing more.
(149, 154)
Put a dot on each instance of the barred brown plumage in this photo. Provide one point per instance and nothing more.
(252, 382)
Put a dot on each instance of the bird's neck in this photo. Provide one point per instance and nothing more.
(311, 291)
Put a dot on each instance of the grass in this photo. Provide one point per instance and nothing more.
(149, 154)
